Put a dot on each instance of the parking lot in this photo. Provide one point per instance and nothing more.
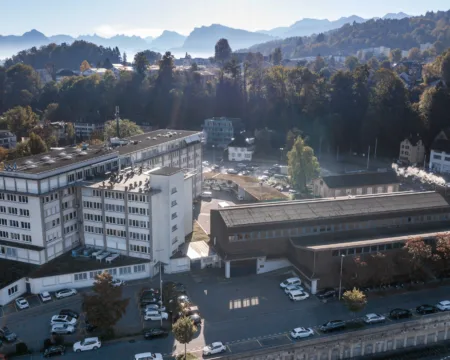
(33, 301)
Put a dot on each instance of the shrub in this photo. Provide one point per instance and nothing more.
(21, 348)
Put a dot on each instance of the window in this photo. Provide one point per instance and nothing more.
(26, 238)
(335, 253)
(4, 234)
(437, 157)
(174, 203)
(23, 199)
(175, 240)
(12, 210)
(13, 223)
(139, 268)
(11, 252)
(93, 274)
(2, 209)
(12, 290)
(174, 190)
(174, 228)
(174, 215)
(25, 225)
(125, 270)
(24, 212)
(80, 277)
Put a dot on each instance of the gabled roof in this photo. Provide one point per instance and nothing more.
(360, 179)
(414, 139)
(441, 145)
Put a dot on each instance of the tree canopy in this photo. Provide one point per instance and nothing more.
(184, 331)
(127, 128)
(303, 165)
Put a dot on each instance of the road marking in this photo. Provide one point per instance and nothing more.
(289, 338)
(259, 343)
(229, 348)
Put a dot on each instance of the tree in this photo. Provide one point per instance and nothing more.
(414, 54)
(21, 85)
(36, 144)
(395, 55)
(222, 51)
(439, 47)
(140, 63)
(441, 256)
(20, 120)
(84, 66)
(3, 154)
(320, 38)
(105, 307)
(127, 128)
(303, 165)
(184, 331)
(351, 62)
(418, 252)
(107, 64)
(373, 63)
(445, 68)
(277, 56)
(70, 133)
(318, 64)
(355, 300)
(124, 59)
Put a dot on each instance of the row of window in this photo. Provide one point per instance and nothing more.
(368, 249)
(139, 223)
(136, 210)
(118, 233)
(15, 236)
(93, 217)
(114, 220)
(439, 157)
(116, 208)
(14, 211)
(49, 198)
(15, 223)
(112, 195)
(70, 216)
(68, 204)
(139, 248)
(51, 224)
(51, 211)
(139, 236)
(12, 290)
(92, 205)
(314, 230)
(70, 228)
(12, 252)
(15, 198)
(122, 271)
(93, 229)
(138, 198)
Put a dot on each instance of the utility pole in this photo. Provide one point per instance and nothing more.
(368, 158)
(424, 161)
(117, 122)
(340, 277)
(376, 145)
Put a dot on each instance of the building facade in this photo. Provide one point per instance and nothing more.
(412, 151)
(43, 198)
(356, 184)
(219, 132)
(240, 150)
(314, 234)
(440, 153)
(84, 130)
(8, 140)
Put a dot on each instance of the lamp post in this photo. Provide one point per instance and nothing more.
(281, 154)
(340, 277)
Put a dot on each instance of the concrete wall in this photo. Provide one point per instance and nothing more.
(265, 265)
(178, 265)
(396, 337)
(7, 295)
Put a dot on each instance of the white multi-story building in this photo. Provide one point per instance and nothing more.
(44, 198)
(84, 130)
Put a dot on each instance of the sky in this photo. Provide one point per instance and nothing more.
(150, 17)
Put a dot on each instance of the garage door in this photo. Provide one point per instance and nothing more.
(243, 267)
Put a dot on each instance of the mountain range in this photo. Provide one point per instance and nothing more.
(200, 41)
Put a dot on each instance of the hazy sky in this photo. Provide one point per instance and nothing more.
(151, 17)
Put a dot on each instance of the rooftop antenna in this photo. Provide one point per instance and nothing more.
(117, 122)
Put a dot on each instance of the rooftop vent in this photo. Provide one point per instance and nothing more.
(50, 161)
(62, 154)
(29, 162)
(68, 157)
(81, 153)
(45, 158)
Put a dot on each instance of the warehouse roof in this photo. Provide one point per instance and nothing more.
(303, 210)
(360, 179)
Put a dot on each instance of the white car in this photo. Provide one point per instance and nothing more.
(241, 165)
(87, 344)
(290, 288)
(117, 282)
(155, 315)
(65, 293)
(443, 305)
(62, 329)
(22, 303)
(214, 348)
(62, 319)
(45, 296)
(154, 307)
(290, 281)
(374, 318)
(298, 295)
(149, 356)
(301, 332)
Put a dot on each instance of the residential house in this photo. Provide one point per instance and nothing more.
(356, 184)
(240, 149)
(205, 76)
(65, 73)
(440, 152)
(412, 150)
(8, 140)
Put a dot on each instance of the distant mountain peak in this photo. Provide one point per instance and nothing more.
(396, 16)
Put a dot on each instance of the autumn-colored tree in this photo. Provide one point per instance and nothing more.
(20, 120)
(418, 252)
(184, 330)
(3, 154)
(441, 257)
(36, 144)
(127, 128)
(105, 307)
(70, 133)
(355, 300)
(84, 66)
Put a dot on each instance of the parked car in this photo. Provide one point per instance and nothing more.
(374, 318)
(22, 303)
(443, 305)
(150, 301)
(7, 334)
(426, 309)
(155, 307)
(214, 348)
(400, 314)
(196, 319)
(298, 295)
(54, 350)
(333, 325)
(87, 344)
(290, 281)
(155, 315)
(241, 165)
(301, 332)
(117, 282)
(45, 296)
(290, 288)
(65, 293)
(63, 329)
(326, 293)
(70, 313)
(155, 333)
(232, 171)
(62, 319)
(175, 286)
(192, 310)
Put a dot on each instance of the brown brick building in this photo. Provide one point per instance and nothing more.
(314, 234)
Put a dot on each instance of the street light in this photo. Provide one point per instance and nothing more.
(340, 277)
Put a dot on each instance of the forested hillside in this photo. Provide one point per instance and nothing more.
(65, 56)
(403, 34)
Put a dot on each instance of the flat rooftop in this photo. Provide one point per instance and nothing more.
(303, 210)
(165, 171)
(154, 138)
(11, 271)
(126, 182)
(66, 264)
